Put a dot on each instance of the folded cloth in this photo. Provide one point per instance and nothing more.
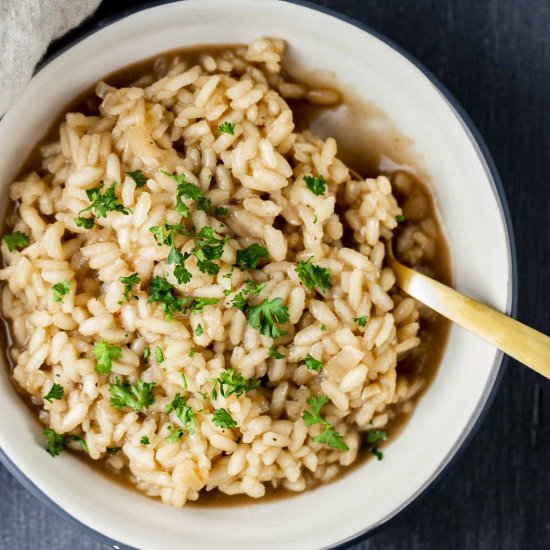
(26, 29)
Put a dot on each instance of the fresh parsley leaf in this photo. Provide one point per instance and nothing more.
(56, 392)
(166, 233)
(329, 436)
(208, 248)
(139, 178)
(186, 190)
(229, 273)
(316, 404)
(103, 203)
(223, 419)
(199, 331)
(361, 321)
(230, 382)
(267, 315)
(239, 301)
(86, 223)
(198, 303)
(192, 353)
(162, 292)
(400, 218)
(82, 443)
(175, 435)
(113, 450)
(59, 290)
(373, 438)
(274, 353)
(226, 128)
(128, 283)
(253, 288)
(316, 185)
(56, 442)
(146, 354)
(144, 440)
(184, 380)
(159, 356)
(16, 240)
(315, 219)
(323, 328)
(181, 273)
(221, 211)
(313, 275)
(137, 396)
(184, 413)
(104, 354)
(248, 257)
(313, 364)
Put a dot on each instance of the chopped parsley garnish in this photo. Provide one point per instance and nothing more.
(186, 190)
(229, 273)
(223, 419)
(59, 290)
(139, 178)
(162, 292)
(248, 257)
(175, 435)
(198, 303)
(315, 219)
(274, 353)
(86, 223)
(166, 233)
(184, 413)
(144, 440)
(128, 283)
(192, 353)
(184, 380)
(329, 436)
(316, 185)
(221, 211)
(181, 273)
(313, 364)
(16, 240)
(82, 443)
(208, 248)
(199, 331)
(146, 354)
(138, 396)
(230, 382)
(374, 437)
(159, 356)
(104, 354)
(226, 128)
(400, 218)
(56, 392)
(267, 315)
(113, 450)
(56, 442)
(313, 275)
(323, 328)
(103, 203)
(361, 321)
(251, 288)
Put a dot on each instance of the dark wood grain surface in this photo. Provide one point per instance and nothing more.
(494, 56)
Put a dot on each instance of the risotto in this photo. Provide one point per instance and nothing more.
(196, 292)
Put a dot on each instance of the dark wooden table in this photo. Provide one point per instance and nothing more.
(494, 56)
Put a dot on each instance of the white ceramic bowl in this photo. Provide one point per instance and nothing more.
(475, 216)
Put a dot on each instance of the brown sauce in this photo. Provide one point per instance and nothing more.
(370, 143)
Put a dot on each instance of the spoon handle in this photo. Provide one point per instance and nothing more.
(530, 347)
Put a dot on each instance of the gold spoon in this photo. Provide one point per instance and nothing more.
(530, 347)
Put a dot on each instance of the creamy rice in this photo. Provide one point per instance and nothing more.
(224, 126)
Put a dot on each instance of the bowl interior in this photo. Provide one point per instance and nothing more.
(468, 204)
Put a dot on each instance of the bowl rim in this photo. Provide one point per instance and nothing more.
(500, 362)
